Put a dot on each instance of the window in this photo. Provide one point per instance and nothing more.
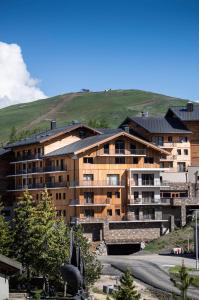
(148, 197)
(88, 177)
(170, 139)
(109, 212)
(64, 196)
(147, 179)
(82, 134)
(149, 214)
(120, 160)
(148, 160)
(136, 195)
(117, 212)
(119, 147)
(109, 194)
(132, 148)
(135, 160)
(186, 152)
(112, 179)
(161, 165)
(68, 177)
(89, 213)
(181, 167)
(64, 212)
(117, 194)
(88, 197)
(60, 178)
(59, 213)
(88, 160)
(37, 196)
(57, 196)
(106, 149)
(158, 140)
(179, 151)
(41, 179)
(170, 164)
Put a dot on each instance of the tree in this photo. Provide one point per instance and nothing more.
(92, 265)
(50, 238)
(13, 135)
(182, 281)
(22, 231)
(126, 289)
(5, 234)
(98, 123)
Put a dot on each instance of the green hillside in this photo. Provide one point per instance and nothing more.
(113, 106)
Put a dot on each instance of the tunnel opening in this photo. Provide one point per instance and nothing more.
(122, 249)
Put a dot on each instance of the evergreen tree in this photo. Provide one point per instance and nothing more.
(22, 231)
(13, 135)
(182, 281)
(126, 289)
(93, 267)
(5, 234)
(50, 238)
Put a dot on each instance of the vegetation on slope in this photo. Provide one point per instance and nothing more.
(112, 106)
(177, 238)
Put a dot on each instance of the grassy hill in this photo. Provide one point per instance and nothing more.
(113, 106)
(177, 238)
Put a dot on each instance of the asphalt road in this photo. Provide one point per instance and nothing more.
(152, 269)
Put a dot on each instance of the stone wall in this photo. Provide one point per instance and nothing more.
(131, 232)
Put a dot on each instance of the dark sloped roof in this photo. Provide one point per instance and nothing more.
(42, 136)
(160, 124)
(182, 113)
(4, 151)
(81, 144)
(110, 130)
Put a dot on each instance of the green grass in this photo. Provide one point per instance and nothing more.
(114, 106)
(176, 238)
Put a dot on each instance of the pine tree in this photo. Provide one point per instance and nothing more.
(22, 231)
(50, 238)
(126, 289)
(182, 281)
(13, 135)
(5, 234)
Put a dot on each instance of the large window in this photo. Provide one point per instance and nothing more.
(88, 197)
(120, 160)
(149, 214)
(148, 197)
(113, 179)
(181, 167)
(147, 179)
(88, 160)
(158, 140)
(119, 147)
(106, 148)
(88, 213)
(148, 160)
(88, 177)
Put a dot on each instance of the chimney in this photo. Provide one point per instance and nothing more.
(52, 124)
(189, 106)
(144, 114)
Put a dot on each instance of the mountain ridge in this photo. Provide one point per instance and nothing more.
(113, 106)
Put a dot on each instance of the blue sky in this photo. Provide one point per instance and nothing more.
(139, 44)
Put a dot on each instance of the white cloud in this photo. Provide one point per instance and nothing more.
(16, 83)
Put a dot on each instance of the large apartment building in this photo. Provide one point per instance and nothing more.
(120, 184)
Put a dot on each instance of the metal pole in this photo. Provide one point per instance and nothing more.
(196, 240)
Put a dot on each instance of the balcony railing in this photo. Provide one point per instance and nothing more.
(97, 183)
(149, 200)
(75, 220)
(120, 152)
(148, 183)
(90, 202)
(28, 157)
(38, 186)
(39, 170)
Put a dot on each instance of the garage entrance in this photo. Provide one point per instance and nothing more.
(122, 249)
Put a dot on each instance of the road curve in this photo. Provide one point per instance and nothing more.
(147, 272)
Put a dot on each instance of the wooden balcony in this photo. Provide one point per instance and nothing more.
(97, 184)
(27, 157)
(121, 152)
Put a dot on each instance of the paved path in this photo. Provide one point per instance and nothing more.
(152, 269)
